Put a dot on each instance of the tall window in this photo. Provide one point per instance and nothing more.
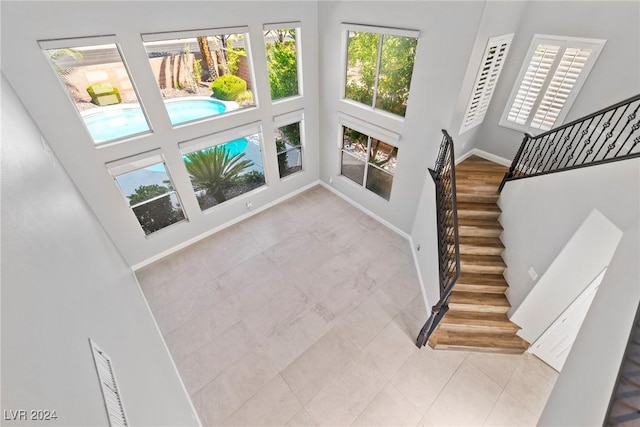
(494, 57)
(201, 73)
(379, 67)
(288, 138)
(148, 189)
(368, 161)
(281, 44)
(99, 85)
(549, 81)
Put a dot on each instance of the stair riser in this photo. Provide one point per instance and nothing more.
(479, 307)
(480, 329)
(477, 198)
(485, 289)
(476, 349)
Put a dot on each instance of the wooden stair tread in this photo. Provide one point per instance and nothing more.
(479, 222)
(479, 298)
(492, 260)
(478, 208)
(458, 340)
(478, 282)
(477, 197)
(480, 245)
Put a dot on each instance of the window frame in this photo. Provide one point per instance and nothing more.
(295, 25)
(209, 32)
(563, 42)
(87, 41)
(346, 27)
(285, 120)
(372, 132)
(137, 162)
(220, 138)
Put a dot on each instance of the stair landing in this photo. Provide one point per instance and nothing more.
(477, 317)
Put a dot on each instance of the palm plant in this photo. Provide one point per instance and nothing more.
(214, 170)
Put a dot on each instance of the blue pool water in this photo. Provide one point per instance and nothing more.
(234, 147)
(109, 124)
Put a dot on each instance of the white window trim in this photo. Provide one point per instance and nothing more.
(595, 44)
(77, 42)
(189, 34)
(288, 118)
(369, 129)
(141, 161)
(212, 140)
(345, 123)
(294, 25)
(281, 25)
(345, 28)
(487, 92)
(391, 31)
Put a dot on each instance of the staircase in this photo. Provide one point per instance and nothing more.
(477, 319)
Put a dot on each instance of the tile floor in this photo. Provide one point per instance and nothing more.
(306, 314)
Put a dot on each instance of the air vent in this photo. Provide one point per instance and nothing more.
(110, 392)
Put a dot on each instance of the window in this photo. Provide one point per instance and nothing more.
(549, 81)
(281, 44)
(288, 138)
(145, 183)
(379, 67)
(201, 73)
(98, 83)
(368, 161)
(224, 166)
(493, 59)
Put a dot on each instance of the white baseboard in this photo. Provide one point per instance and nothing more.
(367, 211)
(227, 224)
(416, 264)
(485, 155)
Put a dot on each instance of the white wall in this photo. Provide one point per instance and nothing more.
(438, 73)
(63, 282)
(582, 392)
(615, 76)
(540, 214)
(26, 68)
(424, 234)
(586, 254)
(498, 18)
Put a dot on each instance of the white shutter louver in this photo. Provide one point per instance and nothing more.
(113, 404)
(490, 68)
(531, 85)
(550, 78)
(564, 79)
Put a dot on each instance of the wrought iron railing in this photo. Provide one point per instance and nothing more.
(607, 135)
(444, 176)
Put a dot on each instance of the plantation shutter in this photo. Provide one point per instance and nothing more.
(493, 59)
(113, 404)
(534, 78)
(573, 61)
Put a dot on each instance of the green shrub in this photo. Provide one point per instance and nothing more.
(104, 94)
(245, 98)
(228, 87)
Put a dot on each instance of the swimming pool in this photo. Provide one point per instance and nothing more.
(110, 123)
